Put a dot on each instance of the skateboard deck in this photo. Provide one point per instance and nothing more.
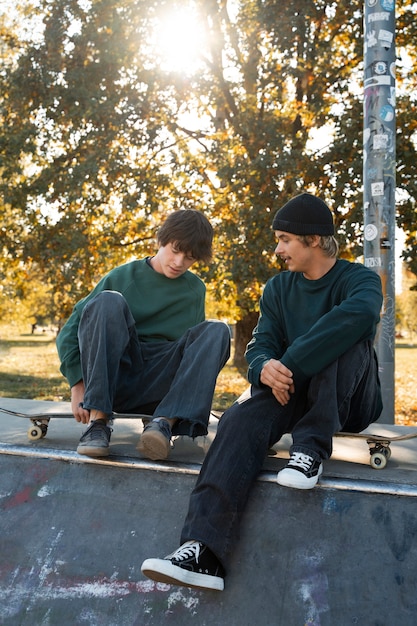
(379, 445)
(40, 420)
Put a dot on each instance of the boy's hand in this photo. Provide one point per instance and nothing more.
(279, 378)
(77, 397)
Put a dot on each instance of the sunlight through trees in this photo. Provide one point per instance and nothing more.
(115, 113)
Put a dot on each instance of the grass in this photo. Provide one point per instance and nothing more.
(29, 368)
(406, 384)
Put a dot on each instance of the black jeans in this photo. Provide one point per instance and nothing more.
(344, 396)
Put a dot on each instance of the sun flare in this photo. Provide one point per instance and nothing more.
(179, 40)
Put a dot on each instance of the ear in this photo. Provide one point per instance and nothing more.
(315, 241)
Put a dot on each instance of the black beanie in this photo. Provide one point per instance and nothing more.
(304, 215)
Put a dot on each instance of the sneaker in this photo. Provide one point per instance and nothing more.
(155, 441)
(95, 441)
(301, 472)
(192, 565)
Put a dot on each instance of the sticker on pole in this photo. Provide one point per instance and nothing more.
(371, 232)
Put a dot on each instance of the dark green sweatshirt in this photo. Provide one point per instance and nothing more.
(308, 324)
(163, 309)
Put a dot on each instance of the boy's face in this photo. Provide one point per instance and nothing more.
(296, 255)
(171, 262)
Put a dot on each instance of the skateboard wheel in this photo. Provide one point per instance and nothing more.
(387, 452)
(378, 460)
(44, 428)
(35, 432)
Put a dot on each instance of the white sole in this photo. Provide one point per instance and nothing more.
(292, 478)
(94, 452)
(163, 571)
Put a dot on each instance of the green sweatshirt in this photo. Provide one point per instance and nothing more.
(163, 309)
(308, 324)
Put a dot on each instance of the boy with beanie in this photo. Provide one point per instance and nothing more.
(313, 372)
(139, 343)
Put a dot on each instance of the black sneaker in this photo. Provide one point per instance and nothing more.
(192, 565)
(301, 472)
(95, 441)
(155, 441)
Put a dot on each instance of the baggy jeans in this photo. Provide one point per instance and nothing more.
(173, 379)
(344, 396)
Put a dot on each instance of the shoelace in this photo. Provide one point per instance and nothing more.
(163, 426)
(298, 459)
(96, 430)
(189, 549)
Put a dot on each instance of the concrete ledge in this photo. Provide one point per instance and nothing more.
(75, 530)
(192, 469)
(74, 536)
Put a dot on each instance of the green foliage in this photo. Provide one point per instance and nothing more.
(100, 139)
(406, 306)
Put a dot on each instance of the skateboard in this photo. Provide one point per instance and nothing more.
(40, 421)
(379, 445)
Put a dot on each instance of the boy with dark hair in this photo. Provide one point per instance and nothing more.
(313, 372)
(139, 343)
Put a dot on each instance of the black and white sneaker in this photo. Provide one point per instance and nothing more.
(192, 565)
(301, 472)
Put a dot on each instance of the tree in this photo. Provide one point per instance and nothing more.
(296, 69)
(406, 302)
(101, 140)
(407, 131)
(83, 185)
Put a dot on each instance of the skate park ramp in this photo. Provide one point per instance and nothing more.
(74, 532)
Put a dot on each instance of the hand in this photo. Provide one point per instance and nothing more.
(77, 397)
(280, 379)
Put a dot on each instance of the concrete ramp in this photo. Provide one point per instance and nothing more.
(73, 537)
(74, 533)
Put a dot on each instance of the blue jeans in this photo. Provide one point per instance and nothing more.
(344, 396)
(174, 379)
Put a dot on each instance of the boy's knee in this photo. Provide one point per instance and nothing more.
(218, 329)
(106, 297)
(106, 303)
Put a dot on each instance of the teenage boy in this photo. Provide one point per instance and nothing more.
(139, 343)
(313, 372)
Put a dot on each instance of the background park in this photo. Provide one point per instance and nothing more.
(115, 113)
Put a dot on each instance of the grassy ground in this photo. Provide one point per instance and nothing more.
(406, 384)
(29, 368)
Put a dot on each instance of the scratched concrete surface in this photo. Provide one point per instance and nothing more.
(74, 534)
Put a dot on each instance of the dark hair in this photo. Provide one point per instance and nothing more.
(190, 231)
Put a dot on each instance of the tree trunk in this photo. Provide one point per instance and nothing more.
(243, 334)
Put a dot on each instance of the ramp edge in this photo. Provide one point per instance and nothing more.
(328, 482)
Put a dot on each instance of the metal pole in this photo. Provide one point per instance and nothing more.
(379, 178)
